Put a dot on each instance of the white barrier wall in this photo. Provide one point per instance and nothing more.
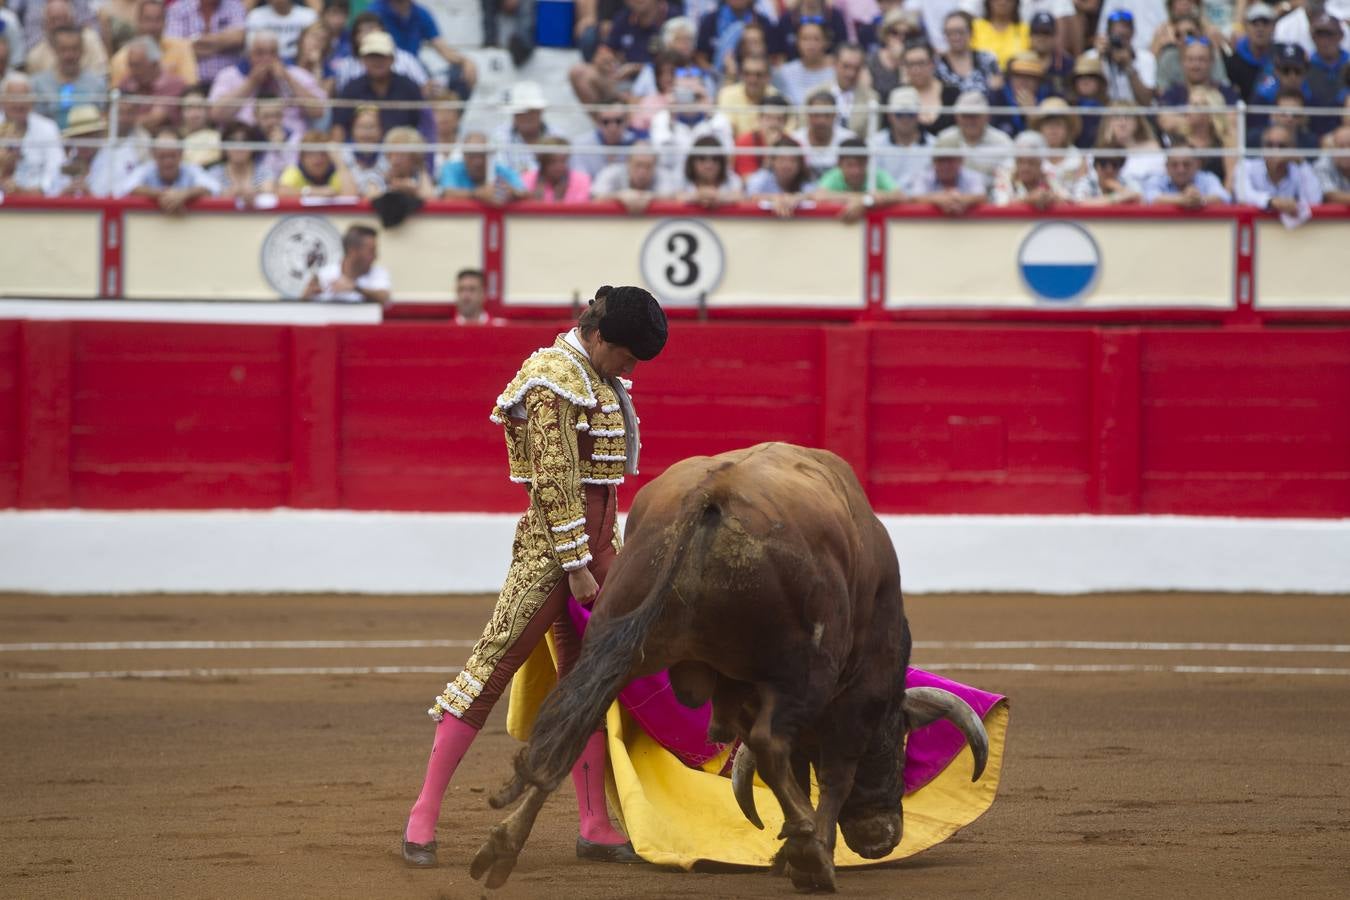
(393, 553)
(1130, 260)
(222, 254)
(1127, 264)
(1305, 268)
(49, 254)
(743, 262)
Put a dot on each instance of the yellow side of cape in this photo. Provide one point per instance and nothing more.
(676, 816)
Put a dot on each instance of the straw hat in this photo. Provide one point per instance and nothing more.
(83, 119)
(1056, 107)
(1089, 65)
(1026, 63)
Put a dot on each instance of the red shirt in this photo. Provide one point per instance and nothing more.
(748, 163)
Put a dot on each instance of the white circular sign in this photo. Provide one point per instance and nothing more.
(294, 251)
(681, 260)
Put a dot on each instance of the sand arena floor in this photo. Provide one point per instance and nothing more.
(1135, 768)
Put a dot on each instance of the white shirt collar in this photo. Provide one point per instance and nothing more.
(574, 339)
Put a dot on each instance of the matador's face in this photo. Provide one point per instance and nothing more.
(611, 360)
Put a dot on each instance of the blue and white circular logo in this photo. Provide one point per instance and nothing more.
(1059, 261)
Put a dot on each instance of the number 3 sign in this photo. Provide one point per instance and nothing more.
(681, 259)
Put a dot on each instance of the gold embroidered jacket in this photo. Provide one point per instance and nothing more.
(555, 397)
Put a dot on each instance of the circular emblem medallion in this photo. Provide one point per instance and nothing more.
(682, 259)
(1059, 262)
(294, 251)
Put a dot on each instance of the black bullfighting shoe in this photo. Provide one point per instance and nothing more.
(611, 853)
(419, 856)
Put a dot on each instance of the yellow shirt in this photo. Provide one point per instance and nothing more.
(742, 120)
(1012, 39)
(292, 177)
(178, 58)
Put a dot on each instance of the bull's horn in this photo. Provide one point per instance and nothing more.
(743, 784)
(927, 704)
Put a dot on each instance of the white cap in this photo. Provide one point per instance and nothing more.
(1030, 140)
(972, 102)
(524, 96)
(377, 43)
(903, 100)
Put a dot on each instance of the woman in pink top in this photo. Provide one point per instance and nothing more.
(555, 181)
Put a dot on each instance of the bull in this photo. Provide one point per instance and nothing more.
(764, 582)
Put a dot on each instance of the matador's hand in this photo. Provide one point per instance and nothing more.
(583, 585)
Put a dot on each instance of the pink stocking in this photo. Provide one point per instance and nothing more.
(453, 738)
(588, 777)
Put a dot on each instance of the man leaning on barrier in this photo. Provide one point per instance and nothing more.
(1333, 172)
(1185, 184)
(171, 183)
(850, 179)
(1279, 181)
(947, 183)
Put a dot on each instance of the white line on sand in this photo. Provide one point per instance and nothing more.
(919, 645)
(1133, 645)
(403, 670)
(229, 672)
(228, 645)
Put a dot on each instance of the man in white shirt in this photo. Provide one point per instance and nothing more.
(822, 134)
(853, 99)
(41, 153)
(356, 278)
(1282, 182)
(992, 149)
(284, 19)
(1131, 71)
(1147, 16)
(1294, 27)
(672, 134)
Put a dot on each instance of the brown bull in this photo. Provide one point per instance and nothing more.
(763, 580)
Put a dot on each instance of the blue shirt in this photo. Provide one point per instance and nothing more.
(1207, 183)
(455, 177)
(632, 42)
(409, 33)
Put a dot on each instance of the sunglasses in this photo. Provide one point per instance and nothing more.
(615, 121)
(1290, 70)
(1107, 163)
(1277, 145)
(1326, 32)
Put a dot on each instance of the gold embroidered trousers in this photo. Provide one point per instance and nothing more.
(533, 600)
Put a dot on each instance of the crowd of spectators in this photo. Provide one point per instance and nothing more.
(870, 103)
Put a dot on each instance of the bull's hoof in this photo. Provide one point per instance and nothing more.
(809, 864)
(496, 858)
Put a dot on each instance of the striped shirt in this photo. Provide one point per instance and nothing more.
(184, 20)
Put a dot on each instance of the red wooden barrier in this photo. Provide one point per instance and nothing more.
(950, 419)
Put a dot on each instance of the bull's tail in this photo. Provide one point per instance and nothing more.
(572, 711)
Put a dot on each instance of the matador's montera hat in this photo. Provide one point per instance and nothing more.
(633, 319)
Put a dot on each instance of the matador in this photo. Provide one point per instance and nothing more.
(571, 436)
